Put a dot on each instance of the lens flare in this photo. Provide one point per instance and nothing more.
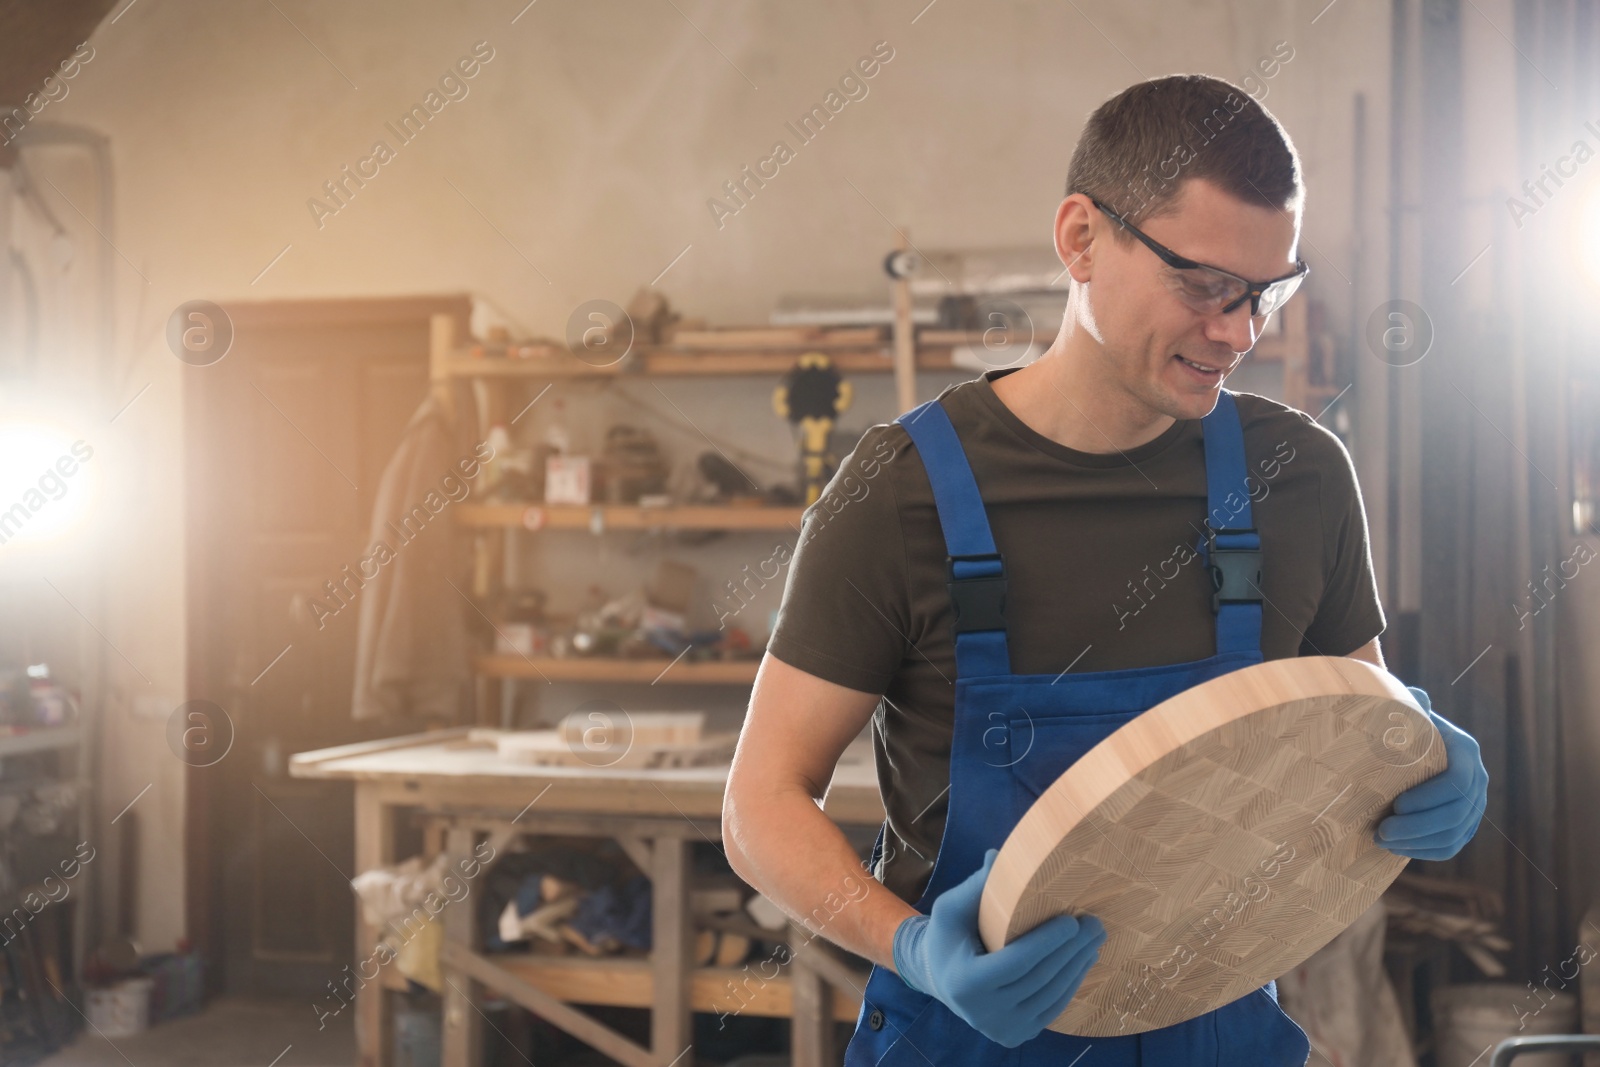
(45, 482)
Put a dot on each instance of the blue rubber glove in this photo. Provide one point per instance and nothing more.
(1010, 995)
(1435, 819)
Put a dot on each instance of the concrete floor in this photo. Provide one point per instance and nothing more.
(228, 1033)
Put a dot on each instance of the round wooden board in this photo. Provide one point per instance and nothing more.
(1223, 836)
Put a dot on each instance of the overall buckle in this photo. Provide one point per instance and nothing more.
(1235, 571)
(979, 599)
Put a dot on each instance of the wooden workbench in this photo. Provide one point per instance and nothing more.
(465, 793)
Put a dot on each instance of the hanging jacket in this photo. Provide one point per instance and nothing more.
(413, 660)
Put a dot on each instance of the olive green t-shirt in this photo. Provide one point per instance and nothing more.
(1101, 569)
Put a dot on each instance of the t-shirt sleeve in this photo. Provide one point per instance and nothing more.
(1350, 614)
(846, 610)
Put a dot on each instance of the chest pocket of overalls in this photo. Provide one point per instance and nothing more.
(1039, 747)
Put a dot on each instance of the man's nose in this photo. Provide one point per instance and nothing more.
(1237, 329)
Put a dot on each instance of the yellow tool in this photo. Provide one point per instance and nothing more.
(811, 396)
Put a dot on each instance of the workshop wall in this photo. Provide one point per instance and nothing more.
(577, 162)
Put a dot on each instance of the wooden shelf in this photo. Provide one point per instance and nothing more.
(683, 362)
(934, 349)
(674, 362)
(628, 983)
(39, 739)
(597, 669)
(534, 516)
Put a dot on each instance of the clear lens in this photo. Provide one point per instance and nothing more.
(1277, 294)
(1202, 289)
(1208, 292)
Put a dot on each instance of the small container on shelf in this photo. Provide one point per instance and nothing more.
(520, 639)
(53, 704)
(123, 1009)
(566, 480)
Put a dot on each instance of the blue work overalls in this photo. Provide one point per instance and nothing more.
(1053, 720)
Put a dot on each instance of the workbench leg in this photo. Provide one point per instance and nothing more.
(463, 1036)
(374, 848)
(811, 1017)
(670, 956)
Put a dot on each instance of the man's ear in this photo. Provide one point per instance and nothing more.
(1074, 243)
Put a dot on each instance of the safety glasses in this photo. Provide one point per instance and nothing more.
(1212, 290)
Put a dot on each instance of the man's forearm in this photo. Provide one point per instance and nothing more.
(782, 843)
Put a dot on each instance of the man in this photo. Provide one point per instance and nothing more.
(1046, 538)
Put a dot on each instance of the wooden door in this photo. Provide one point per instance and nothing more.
(286, 437)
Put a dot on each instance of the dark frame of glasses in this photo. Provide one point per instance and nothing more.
(1253, 289)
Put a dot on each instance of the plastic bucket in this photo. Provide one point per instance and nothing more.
(121, 1010)
(418, 1034)
(1468, 1020)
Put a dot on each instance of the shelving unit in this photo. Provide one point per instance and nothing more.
(496, 520)
(48, 1020)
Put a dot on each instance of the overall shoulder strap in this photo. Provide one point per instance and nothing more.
(1231, 545)
(977, 580)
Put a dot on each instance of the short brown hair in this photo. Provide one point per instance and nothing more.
(1139, 146)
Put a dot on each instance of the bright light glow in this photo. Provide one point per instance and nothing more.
(45, 482)
(1587, 234)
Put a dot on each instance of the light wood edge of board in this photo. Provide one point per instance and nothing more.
(1149, 737)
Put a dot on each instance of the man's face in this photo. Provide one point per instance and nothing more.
(1164, 354)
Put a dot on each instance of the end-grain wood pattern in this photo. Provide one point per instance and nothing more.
(1222, 837)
